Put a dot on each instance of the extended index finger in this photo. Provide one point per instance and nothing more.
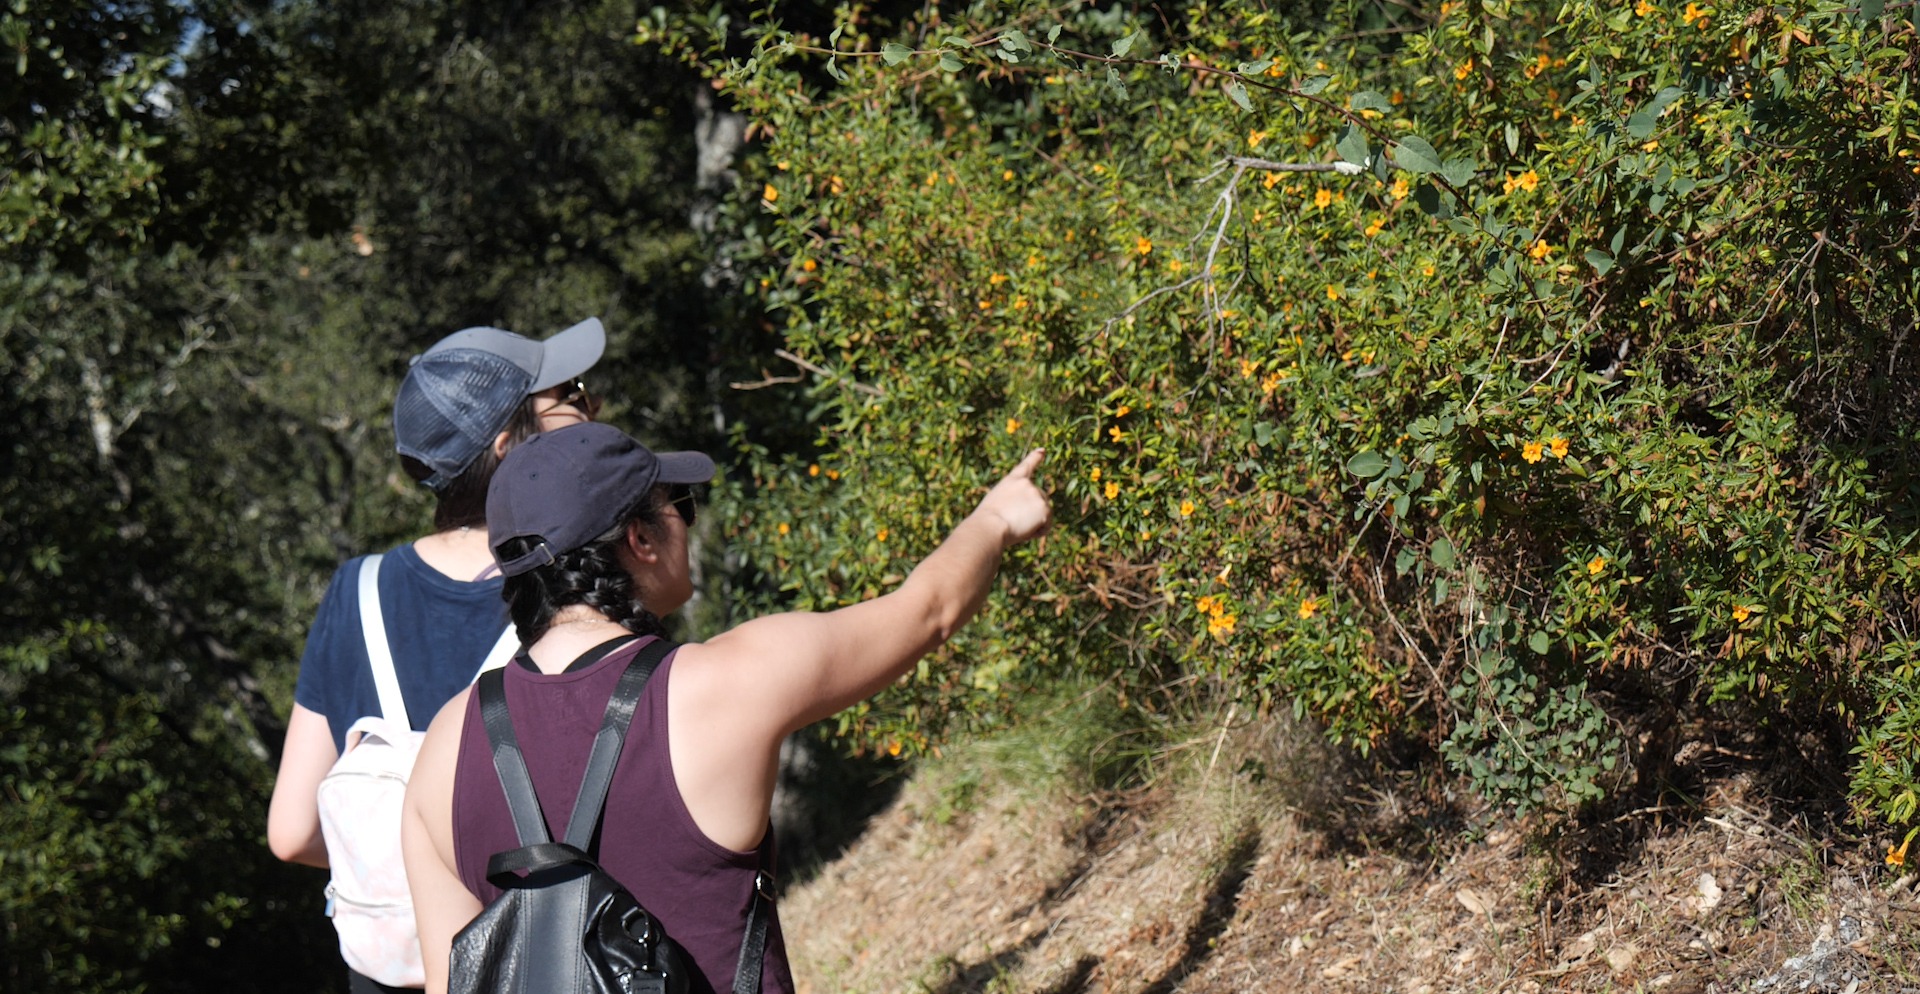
(1028, 465)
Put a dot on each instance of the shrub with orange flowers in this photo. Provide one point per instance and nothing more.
(1595, 329)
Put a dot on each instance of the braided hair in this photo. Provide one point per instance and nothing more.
(591, 575)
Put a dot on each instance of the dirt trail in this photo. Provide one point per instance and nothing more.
(1221, 882)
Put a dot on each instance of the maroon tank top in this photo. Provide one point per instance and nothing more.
(699, 889)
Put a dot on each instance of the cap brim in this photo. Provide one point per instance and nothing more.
(569, 354)
(684, 467)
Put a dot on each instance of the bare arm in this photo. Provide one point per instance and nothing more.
(733, 698)
(442, 905)
(293, 816)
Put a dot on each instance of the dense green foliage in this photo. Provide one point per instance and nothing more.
(1519, 379)
(226, 228)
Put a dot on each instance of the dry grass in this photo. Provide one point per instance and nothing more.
(1255, 859)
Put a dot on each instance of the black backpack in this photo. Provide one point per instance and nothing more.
(565, 925)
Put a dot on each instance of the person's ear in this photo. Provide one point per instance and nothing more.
(640, 544)
(500, 443)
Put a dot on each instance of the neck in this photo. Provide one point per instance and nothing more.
(574, 630)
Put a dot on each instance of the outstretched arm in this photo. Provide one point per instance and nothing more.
(735, 697)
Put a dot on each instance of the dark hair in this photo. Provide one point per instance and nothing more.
(463, 502)
(590, 575)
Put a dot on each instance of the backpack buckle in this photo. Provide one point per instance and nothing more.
(763, 884)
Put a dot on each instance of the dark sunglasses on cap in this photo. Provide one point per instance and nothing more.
(680, 495)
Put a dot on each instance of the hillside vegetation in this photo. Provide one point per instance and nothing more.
(1515, 385)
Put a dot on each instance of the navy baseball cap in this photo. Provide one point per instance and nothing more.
(458, 395)
(566, 487)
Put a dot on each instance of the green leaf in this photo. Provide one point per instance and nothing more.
(1255, 68)
(1366, 465)
(951, 62)
(1442, 553)
(836, 72)
(1352, 145)
(1540, 643)
(1234, 90)
(1369, 100)
(1435, 204)
(1416, 156)
(1122, 45)
(895, 53)
(1600, 261)
(1312, 85)
(1115, 83)
(1053, 34)
(1459, 172)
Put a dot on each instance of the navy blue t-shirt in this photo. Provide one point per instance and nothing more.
(439, 629)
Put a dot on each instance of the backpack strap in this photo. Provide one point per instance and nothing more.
(373, 629)
(502, 651)
(607, 742)
(522, 801)
(753, 945)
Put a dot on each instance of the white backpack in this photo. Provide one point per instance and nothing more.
(360, 810)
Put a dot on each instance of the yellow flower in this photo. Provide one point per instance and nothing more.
(893, 748)
(1595, 565)
(997, 278)
(1558, 447)
(1463, 70)
(1013, 425)
(770, 194)
(1019, 303)
(1007, 175)
(1113, 490)
(809, 265)
(781, 165)
(1322, 198)
(1538, 66)
(1531, 451)
(1175, 265)
(1221, 624)
(1094, 475)
(1426, 270)
(1272, 382)
(1206, 604)
(1540, 250)
(1898, 857)
(1142, 245)
(1254, 138)
(783, 528)
(1123, 410)
(1247, 368)
(986, 305)
(813, 470)
(1270, 181)
(1117, 435)
(1741, 612)
(833, 474)
(1308, 607)
(882, 534)
(1186, 509)
(1643, 8)
(1398, 190)
(1528, 180)
(1333, 291)
(836, 185)
(1696, 14)
(1375, 227)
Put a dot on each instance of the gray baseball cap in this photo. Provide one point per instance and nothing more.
(566, 487)
(458, 395)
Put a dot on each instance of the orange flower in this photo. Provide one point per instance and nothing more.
(1113, 490)
(1741, 613)
(1321, 198)
(1143, 245)
(1532, 451)
(1463, 70)
(1333, 291)
(1595, 565)
(1013, 425)
(1558, 447)
(1186, 509)
(770, 193)
(1308, 607)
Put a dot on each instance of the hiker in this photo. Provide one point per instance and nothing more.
(590, 528)
(464, 403)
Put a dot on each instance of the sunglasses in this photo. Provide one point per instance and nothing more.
(680, 496)
(579, 398)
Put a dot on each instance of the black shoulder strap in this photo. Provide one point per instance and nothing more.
(522, 801)
(607, 742)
